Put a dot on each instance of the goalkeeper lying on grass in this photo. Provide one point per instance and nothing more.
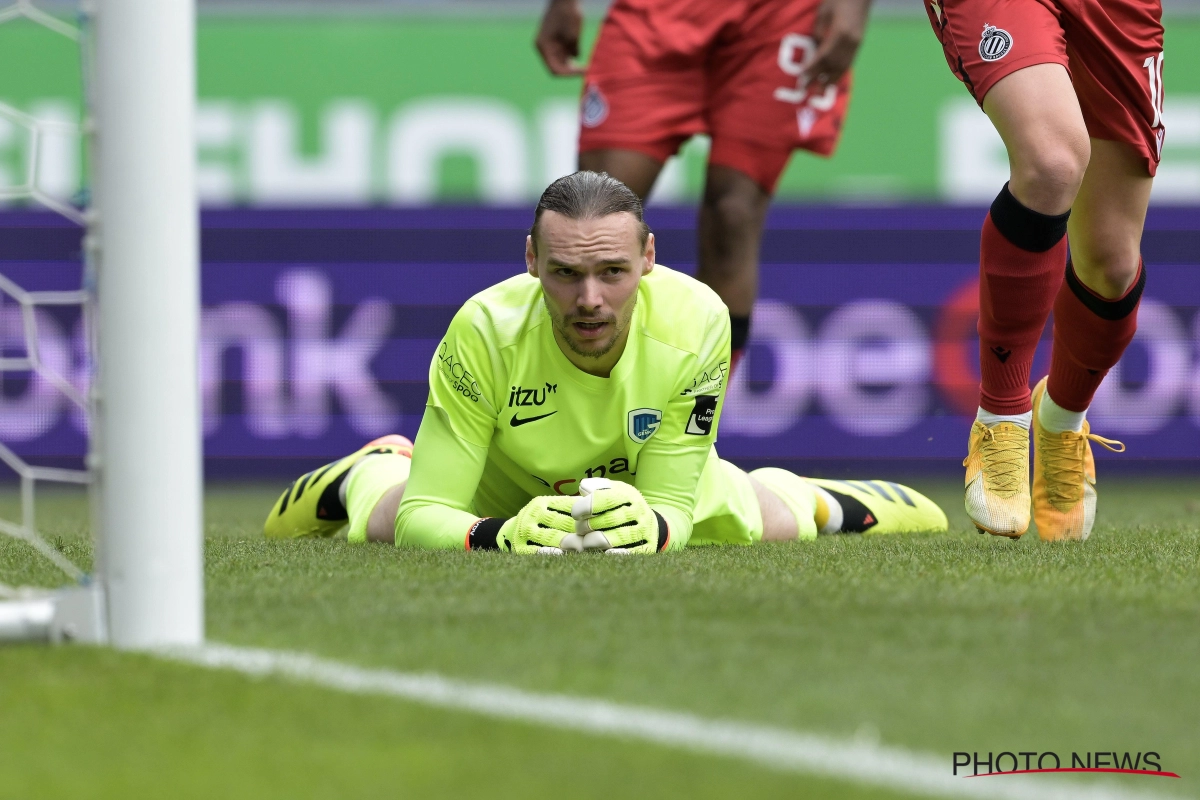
(597, 364)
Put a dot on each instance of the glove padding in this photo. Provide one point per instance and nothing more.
(613, 517)
(539, 527)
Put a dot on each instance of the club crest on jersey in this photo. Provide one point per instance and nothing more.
(643, 422)
(995, 43)
(595, 107)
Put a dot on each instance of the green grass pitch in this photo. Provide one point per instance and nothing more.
(954, 642)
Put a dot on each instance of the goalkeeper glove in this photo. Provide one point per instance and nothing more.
(614, 517)
(539, 527)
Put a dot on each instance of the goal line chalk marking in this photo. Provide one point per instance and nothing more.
(775, 748)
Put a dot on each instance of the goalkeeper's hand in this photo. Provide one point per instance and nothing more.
(614, 517)
(539, 527)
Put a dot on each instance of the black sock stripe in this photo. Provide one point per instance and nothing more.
(1111, 310)
(1024, 227)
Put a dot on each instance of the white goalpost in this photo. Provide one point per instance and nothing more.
(148, 323)
(142, 289)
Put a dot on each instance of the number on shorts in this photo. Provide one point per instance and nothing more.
(795, 51)
(1154, 67)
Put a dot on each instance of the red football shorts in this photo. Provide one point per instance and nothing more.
(664, 70)
(1112, 48)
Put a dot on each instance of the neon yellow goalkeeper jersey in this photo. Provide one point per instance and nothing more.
(510, 417)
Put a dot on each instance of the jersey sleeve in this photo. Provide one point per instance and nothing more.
(436, 513)
(671, 462)
(461, 376)
(452, 445)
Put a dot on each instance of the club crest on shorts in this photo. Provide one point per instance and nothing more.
(595, 107)
(643, 422)
(995, 44)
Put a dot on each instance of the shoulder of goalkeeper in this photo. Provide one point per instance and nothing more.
(680, 311)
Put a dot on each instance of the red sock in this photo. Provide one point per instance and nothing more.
(1090, 334)
(1021, 257)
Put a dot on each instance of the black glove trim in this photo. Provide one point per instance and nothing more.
(664, 532)
(482, 535)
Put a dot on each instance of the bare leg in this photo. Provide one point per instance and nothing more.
(779, 523)
(1107, 219)
(381, 527)
(731, 223)
(1037, 114)
(636, 170)
(1023, 247)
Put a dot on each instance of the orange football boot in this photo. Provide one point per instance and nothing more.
(997, 484)
(1064, 478)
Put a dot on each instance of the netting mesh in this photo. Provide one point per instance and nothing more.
(30, 361)
(25, 9)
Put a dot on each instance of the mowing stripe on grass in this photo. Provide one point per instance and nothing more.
(776, 748)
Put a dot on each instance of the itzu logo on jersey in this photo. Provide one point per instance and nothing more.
(995, 44)
(643, 422)
(520, 396)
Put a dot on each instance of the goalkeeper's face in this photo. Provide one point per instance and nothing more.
(589, 270)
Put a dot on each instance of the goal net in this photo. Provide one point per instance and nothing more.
(28, 613)
(138, 300)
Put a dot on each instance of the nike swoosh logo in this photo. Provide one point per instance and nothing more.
(515, 421)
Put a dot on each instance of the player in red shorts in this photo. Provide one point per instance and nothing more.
(1074, 87)
(760, 77)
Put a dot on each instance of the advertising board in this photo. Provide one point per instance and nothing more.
(319, 328)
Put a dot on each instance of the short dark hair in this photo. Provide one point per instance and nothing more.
(589, 195)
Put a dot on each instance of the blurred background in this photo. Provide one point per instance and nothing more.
(367, 165)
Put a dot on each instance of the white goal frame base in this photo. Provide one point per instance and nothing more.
(73, 614)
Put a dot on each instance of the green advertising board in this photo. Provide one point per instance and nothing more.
(326, 110)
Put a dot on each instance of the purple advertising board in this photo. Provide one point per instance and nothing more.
(318, 329)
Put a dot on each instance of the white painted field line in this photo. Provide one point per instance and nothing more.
(776, 748)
